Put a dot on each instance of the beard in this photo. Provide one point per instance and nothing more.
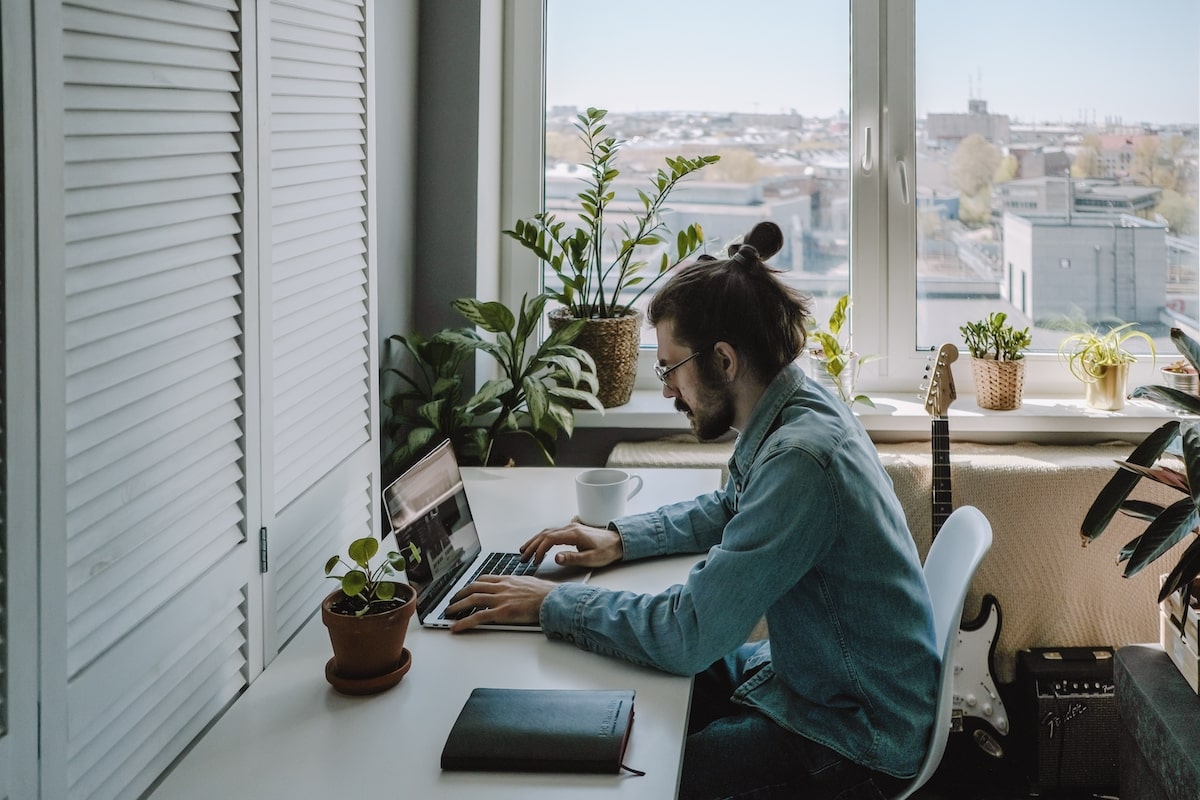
(713, 415)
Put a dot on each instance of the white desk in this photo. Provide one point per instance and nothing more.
(291, 736)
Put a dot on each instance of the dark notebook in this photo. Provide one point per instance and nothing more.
(541, 730)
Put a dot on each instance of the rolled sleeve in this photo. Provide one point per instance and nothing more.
(562, 611)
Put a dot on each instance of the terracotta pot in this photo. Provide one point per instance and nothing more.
(613, 345)
(372, 645)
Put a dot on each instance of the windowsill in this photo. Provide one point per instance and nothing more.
(895, 419)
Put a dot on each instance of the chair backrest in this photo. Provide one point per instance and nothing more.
(950, 565)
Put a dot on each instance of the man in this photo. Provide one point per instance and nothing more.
(838, 702)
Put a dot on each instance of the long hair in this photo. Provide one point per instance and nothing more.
(738, 300)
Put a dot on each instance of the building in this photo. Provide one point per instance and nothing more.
(1103, 267)
(949, 129)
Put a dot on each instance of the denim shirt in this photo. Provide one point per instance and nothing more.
(807, 532)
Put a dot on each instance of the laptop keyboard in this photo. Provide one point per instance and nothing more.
(496, 564)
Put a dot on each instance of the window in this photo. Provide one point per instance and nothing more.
(1016, 138)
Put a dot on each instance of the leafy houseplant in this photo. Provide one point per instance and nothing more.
(531, 396)
(1167, 525)
(1101, 361)
(593, 279)
(997, 360)
(836, 358)
(367, 617)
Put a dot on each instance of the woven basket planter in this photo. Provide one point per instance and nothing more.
(613, 345)
(998, 384)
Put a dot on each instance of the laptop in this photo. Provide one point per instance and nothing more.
(427, 506)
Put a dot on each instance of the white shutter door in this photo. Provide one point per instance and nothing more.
(318, 430)
(159, 574)
(19, 679)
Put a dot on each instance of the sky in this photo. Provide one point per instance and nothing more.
(1036, 61)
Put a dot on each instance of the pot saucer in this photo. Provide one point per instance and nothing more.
(358, 686)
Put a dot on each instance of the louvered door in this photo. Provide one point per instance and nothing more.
(161, 578)
(18, 406)
(319, 334)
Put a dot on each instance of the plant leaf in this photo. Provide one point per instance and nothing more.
(1141, 509)
(353, 582)
(1187, 346)
(1184, 573)
(1108, 501)
(1162, 534)
(1164, 475)
(1172, 398)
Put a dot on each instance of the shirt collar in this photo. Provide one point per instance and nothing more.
(762, 418)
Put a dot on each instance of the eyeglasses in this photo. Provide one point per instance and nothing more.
(662, 371)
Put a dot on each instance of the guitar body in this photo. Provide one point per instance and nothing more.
(978, 708)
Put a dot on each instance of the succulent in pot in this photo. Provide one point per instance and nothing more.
(997, 360)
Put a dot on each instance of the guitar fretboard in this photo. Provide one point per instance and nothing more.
(942, 501)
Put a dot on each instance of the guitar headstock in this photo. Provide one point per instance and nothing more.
(939, 387)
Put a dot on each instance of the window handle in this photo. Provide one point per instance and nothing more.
(868, 160)
(903, 170)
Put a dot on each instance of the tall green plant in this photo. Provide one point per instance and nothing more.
(1167, 525)
(591, 285)
(532, 395)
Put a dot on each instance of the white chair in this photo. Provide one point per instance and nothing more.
(964, 539)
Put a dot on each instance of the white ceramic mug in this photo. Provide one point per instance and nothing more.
(602, 494)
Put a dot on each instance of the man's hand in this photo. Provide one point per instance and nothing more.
(594, 547)
(500, 598)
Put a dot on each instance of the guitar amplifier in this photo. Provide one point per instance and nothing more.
(1067, 714)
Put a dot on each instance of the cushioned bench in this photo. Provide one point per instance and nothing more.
(1052, 593)
(1159, 733)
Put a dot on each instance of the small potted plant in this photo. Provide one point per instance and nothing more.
(599, 260)
(1100, 359)
(835, 363)
(997, 360)
(1167, 525)
(1180, 375)
(367, 617)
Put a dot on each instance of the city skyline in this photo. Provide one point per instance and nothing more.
(1090, 49)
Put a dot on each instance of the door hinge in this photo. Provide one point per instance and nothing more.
(262, 550)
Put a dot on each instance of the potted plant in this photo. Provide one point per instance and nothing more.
(367, 617)
(1101, 361)
(836, 365)
(1169, 525)
(597, 266)
(997, 360)
(531, 396)
(1180, 375)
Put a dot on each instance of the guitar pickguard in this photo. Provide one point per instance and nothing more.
(975, 695)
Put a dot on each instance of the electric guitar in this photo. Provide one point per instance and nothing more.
(977, 707)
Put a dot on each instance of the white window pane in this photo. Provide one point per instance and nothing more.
(1056, 165)
(764, 84)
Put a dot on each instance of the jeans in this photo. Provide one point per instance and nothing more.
(735, 752)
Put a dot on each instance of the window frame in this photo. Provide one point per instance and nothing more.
(883, 246)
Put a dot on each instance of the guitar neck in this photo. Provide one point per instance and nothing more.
(942, 503)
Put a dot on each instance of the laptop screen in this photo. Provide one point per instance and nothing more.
(427, 506)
